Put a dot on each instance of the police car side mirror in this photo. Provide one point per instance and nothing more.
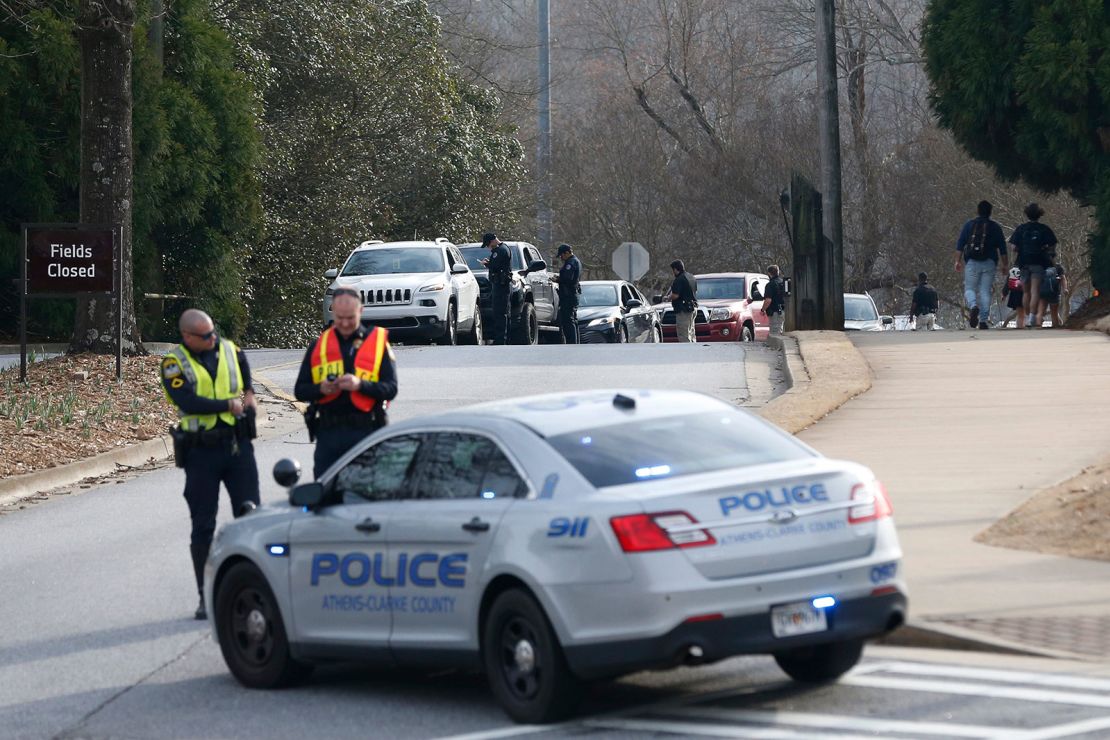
(656, 299)
(459, 268)
(633, 303)
(331, 274)
(307, 494)
(536, 266)
(888, 320)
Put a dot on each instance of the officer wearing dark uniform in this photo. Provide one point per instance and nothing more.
(500, 265)
(774, 304)
(204, 377)
(570, 274)
(347, 376)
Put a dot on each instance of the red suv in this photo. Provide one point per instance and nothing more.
(725, 310)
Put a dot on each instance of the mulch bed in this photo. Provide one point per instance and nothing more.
(59, 415)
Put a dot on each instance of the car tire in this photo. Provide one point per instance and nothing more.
(657, 334)
(524, 663)
(477, 334)
(526, 328)
(820, 663)
(252, 633)
(620, 334)
(451, 332)
(746, 334)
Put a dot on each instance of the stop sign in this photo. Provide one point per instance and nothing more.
(630, 261)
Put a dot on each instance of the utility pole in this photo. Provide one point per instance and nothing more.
(828, 122)
(543, 147)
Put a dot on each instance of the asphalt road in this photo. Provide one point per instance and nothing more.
(96, 638)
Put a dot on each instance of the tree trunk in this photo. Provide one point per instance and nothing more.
(870, 247)
(104, 36)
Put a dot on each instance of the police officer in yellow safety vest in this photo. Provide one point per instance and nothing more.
(347, 376)
(204, 377)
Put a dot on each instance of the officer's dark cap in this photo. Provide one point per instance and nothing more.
(563, 248)
(488, 237)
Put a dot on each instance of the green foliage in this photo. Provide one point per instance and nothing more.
(197, 198)
(369, 134)
(1024, 85)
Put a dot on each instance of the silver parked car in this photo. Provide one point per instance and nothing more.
(861, 314)
(559, 539)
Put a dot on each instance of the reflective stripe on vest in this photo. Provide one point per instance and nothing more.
(229, 379)
(328, 360)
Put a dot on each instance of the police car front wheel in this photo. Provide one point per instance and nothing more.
(252, 634)
(820, 663)
(524, 662)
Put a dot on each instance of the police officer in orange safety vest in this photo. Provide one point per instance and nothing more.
(347, 376)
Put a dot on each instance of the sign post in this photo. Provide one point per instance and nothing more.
(66, 260)
(631, 261)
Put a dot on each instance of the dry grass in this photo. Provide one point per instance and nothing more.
(54, 418)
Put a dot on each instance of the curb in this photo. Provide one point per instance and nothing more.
(824, 370)
(17, 488)
(925, 634)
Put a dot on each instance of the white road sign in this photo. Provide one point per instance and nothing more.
(630, 261)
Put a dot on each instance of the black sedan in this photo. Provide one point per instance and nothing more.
(615, 311)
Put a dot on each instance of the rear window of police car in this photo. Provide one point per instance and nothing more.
(674, 446)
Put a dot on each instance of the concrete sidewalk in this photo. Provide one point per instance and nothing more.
(962, 427)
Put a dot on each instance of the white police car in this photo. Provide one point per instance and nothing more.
(559, 539)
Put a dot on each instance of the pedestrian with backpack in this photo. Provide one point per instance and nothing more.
(1034, 251)
(1054, 285)
(981, 246)
(1012, 292)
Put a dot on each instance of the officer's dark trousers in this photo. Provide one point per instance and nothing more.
(568, 320)
(499, 310)
(331, 444)
(205, 469)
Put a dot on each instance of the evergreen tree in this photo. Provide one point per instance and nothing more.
(1024, 85)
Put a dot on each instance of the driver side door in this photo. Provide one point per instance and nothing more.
(542, 290)
(339, 560)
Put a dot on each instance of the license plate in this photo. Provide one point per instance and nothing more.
(800, 618)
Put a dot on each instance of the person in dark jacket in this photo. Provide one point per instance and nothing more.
(774, 304)
(1034, 251)
(684, 301)
(568, 279)
(208, 381)
(981, 248)
(923, 306)
(347, 376)
(500, 265)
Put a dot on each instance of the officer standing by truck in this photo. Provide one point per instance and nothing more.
(774, 304)
(568, 279)
(346, 377)
(204, 377)
(499, 263)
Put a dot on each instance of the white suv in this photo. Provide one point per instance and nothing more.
(417, 290)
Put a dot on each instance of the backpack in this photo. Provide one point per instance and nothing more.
(1031, 250)
(1050, 283)
(976, 246)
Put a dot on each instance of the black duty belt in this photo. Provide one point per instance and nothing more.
(360, 420)
(212, 437)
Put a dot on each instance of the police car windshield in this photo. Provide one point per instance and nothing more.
(394, 261)
(720, 288)
(475, 255)
(597, 295)
(856, 309)
(673, 446)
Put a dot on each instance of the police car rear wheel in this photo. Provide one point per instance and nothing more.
(524, 662)
(251, 632)
(820, 663)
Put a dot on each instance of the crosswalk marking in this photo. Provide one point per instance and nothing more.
(709, 730)
(1070, 729)
(976, 689)
(838, 722)
(991, 674)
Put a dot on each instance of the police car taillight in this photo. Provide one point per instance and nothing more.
(875, 504)
(647, 532)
